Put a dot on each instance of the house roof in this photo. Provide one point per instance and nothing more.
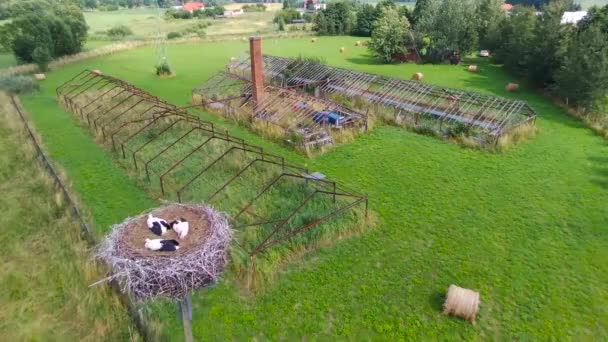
(191, 6)
(506, 7)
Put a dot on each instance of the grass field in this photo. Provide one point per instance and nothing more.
(45, 267)
(145, 22)
(525, 227)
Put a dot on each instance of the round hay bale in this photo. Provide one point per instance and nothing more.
(197, 99)
(512, 87)
(358, 43)
(146, 274)
(461, 302)
(233, 59)
(472, 68)
(342, 49)
(96, 72)
(313, 40)
(40, 77)
(418, 76)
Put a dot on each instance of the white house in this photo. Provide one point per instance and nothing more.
(573, 18)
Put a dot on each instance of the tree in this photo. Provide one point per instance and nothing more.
(339, 19)
(517, 37)
(583, 75)
(41, 56)
(548, 45)
(451, 26)
(310, 5)
(424, 12)
(489, 14)
(390, 35)
(595, 15)
(60, 29)
(366, 18)
(90, 3)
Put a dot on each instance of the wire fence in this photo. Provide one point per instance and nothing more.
(136, 315)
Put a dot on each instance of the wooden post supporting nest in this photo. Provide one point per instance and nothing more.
(185, 314)
(461, 302)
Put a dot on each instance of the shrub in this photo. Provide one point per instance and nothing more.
(286, 15)
(163, 68)
(108, 8)
(18, 84)
(119, 32)
(42, 57)
(173, 35)
(254, 8)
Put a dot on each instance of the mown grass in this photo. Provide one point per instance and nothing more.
(525, 227)
(45, 263)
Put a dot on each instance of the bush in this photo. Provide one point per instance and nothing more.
(119, 32)
(108, 8)
(163, 68)
(178, 14)
(173, 35)
(42, 57)
(18, 84)
(286, 16)
(254, 8)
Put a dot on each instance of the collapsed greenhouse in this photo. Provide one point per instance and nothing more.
(425, 107)
(180, 157)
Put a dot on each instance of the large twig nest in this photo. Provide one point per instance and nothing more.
(461, 302)
(145, 274)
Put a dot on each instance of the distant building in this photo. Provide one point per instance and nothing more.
(193, 6)
(233, 13)
(573, 18)
(316, 5)
(506, 7)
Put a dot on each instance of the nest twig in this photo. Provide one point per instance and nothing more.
(146, 274)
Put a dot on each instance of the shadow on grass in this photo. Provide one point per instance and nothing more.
(365, 59)
(600, 171)
(436, 301)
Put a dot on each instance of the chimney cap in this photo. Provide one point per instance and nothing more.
(253, 38)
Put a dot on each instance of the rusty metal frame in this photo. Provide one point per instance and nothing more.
(96, 115)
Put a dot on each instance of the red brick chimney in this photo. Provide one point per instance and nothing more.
(257, 68)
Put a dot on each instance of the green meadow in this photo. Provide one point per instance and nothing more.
(525, 227)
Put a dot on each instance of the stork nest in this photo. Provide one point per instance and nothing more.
(146, 274)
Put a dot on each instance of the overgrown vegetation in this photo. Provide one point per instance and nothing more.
(18, 85)
(46, 267)
(119, 32)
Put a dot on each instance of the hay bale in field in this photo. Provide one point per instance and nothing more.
(461, 302)
(472, 68)
(197, 99)
(96, 72)
(342, 49)
(418, 76)
(146, 274)
(358, 43)
(40, 77)
(512, 87)
(313, 40)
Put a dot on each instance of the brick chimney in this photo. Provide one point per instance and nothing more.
(257, 68)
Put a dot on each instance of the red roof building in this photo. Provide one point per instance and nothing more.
(193, 6)
(506, 7)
